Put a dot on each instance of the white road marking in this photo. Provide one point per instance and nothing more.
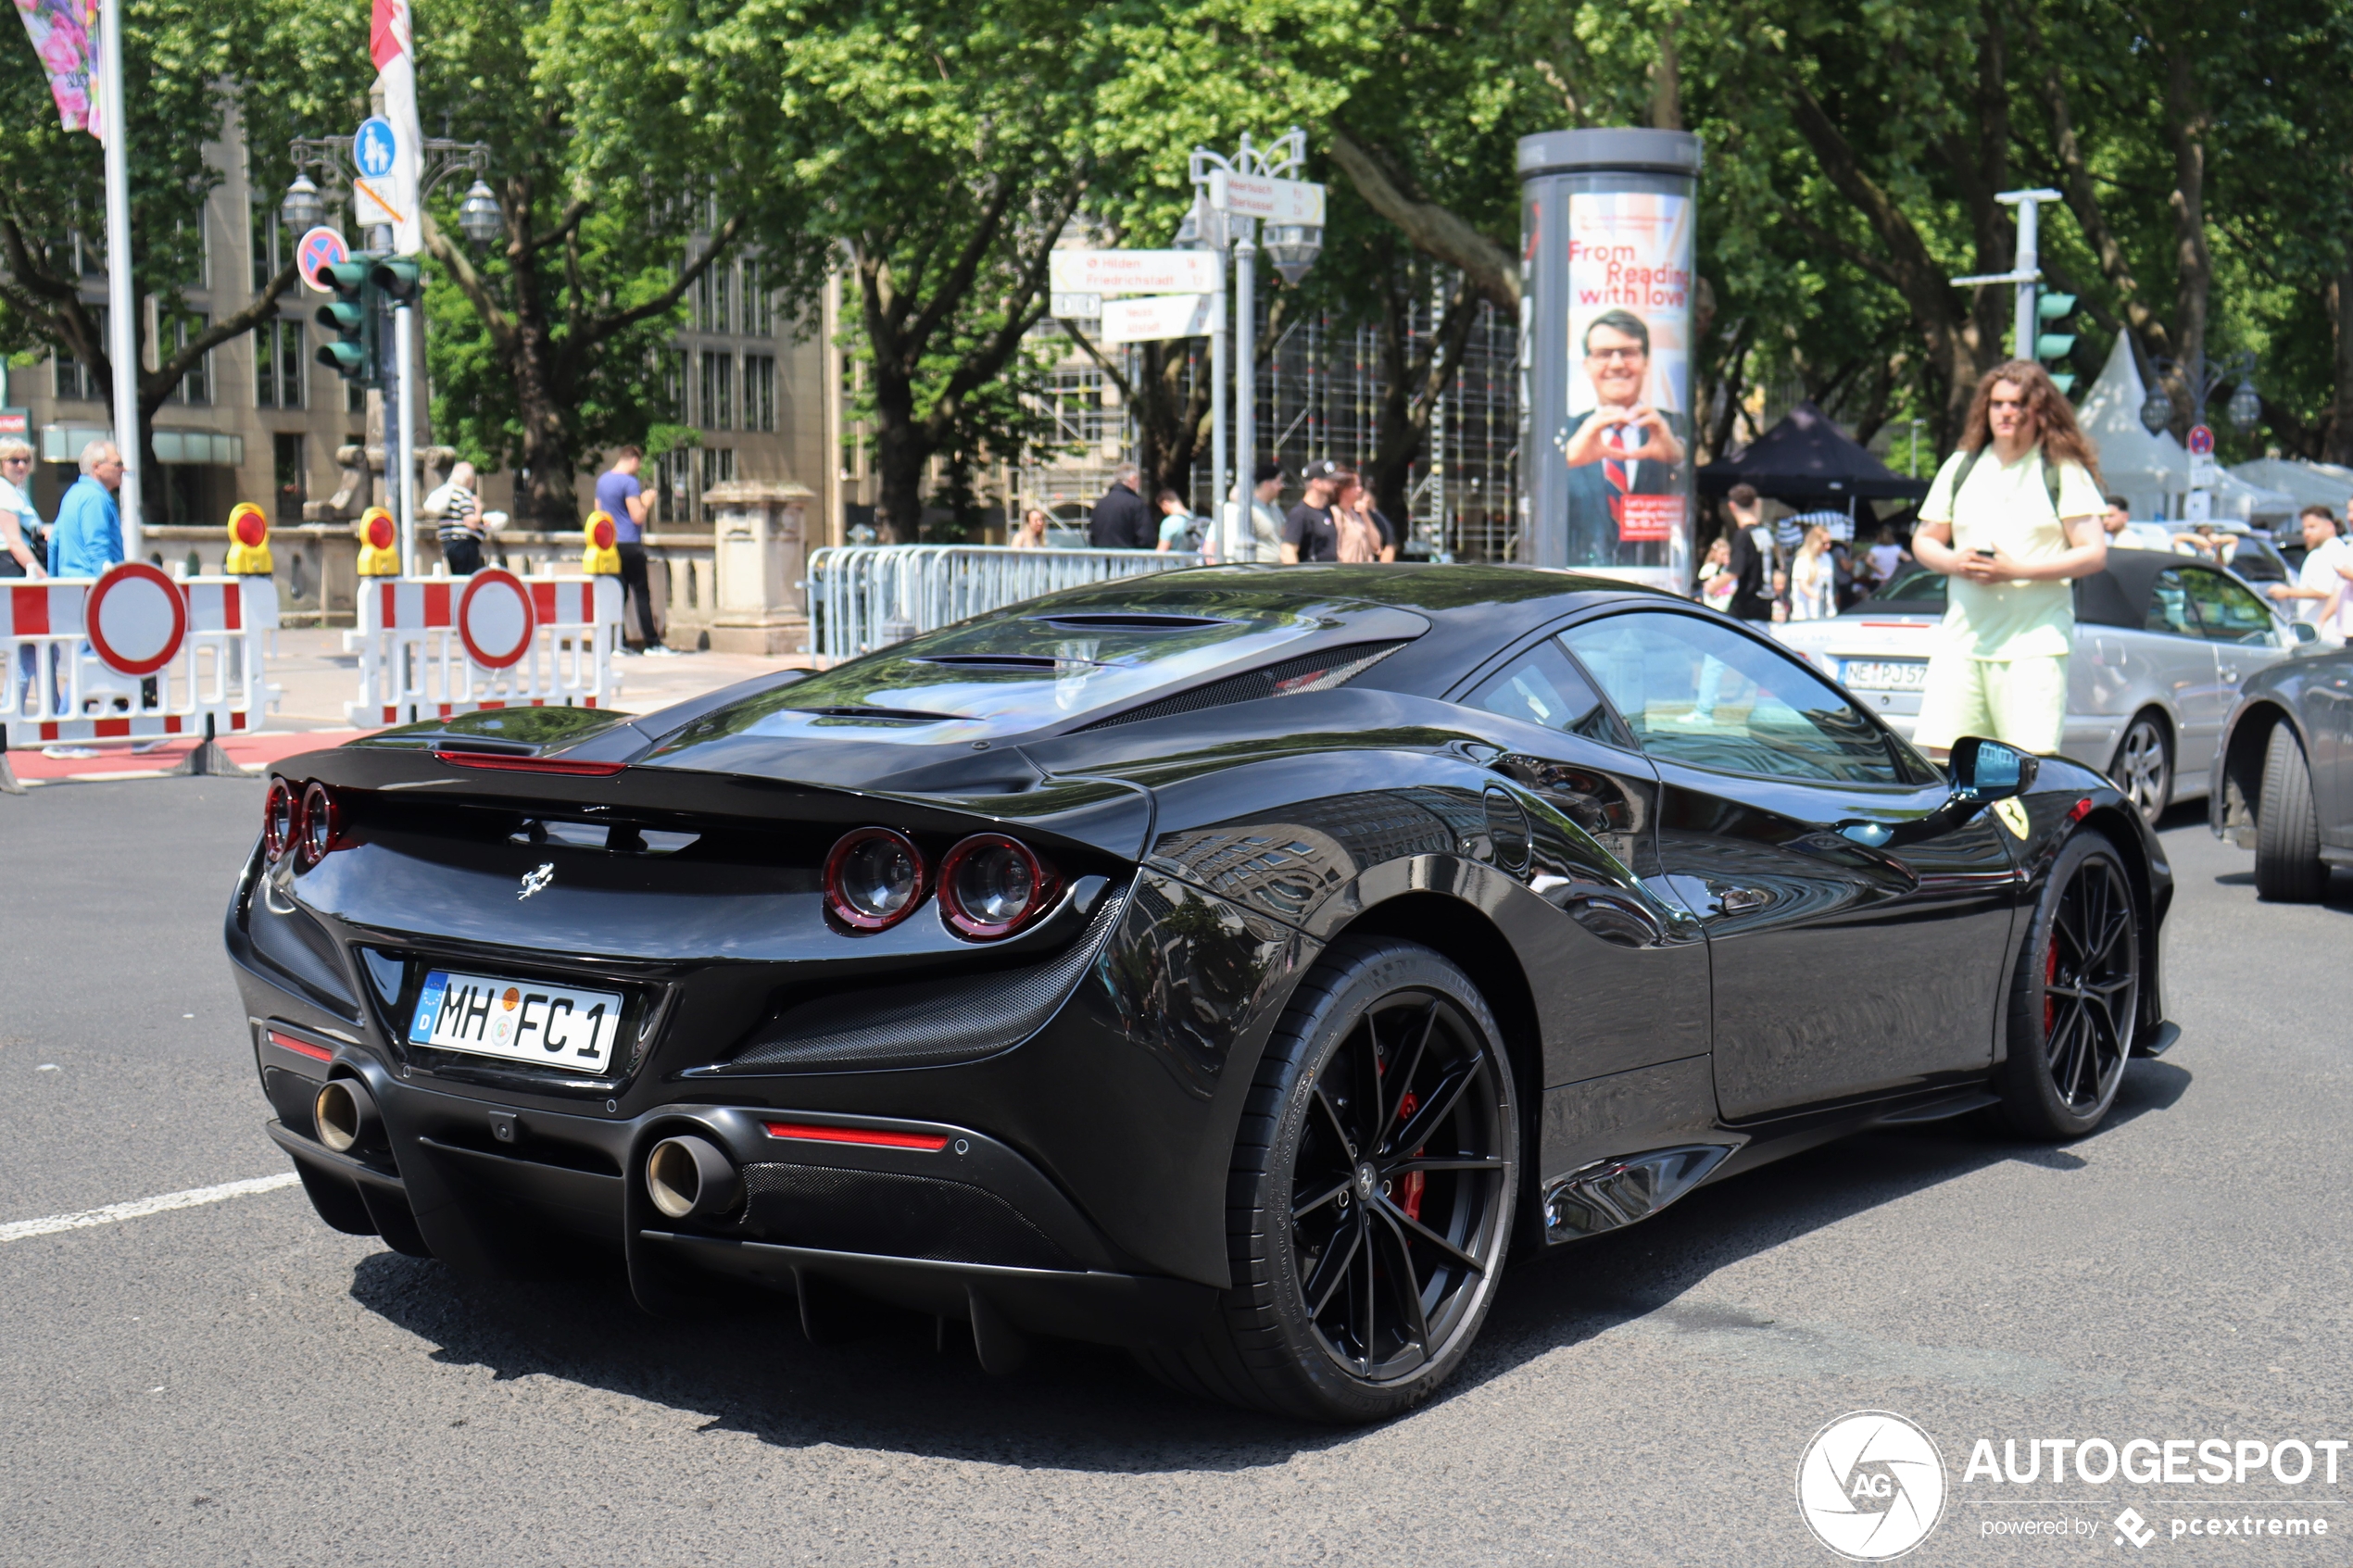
(18, 1229)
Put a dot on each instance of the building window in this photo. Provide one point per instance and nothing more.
(277, 364)
(718, 390)
(267, 239)
(713, 312)
(197, 385)
(759, 306)
(718, 468)
(293, 476)
(674, 384)
(675, 470)
(760, 391)
(76, 380)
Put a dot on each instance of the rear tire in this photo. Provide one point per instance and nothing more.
(2288, 867)
(2075, 1000)
(2144, 766)
(1371, 1197)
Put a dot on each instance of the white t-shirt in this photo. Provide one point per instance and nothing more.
(2318, 574)
(2008, 506)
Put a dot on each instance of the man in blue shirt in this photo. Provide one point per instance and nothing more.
(88, 537)
(630, 504)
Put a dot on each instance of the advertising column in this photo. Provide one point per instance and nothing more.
(1607, 256)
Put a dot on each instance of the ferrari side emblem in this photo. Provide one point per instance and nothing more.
(2013, 817)
(535, 880)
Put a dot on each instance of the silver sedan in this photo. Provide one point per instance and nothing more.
(2162, 643)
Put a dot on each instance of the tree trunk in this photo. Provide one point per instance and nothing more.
(1411, 386)
(2338, 442)
(2186, 120)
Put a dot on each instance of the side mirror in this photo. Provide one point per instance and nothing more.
(2303, 632)
(1984, 771)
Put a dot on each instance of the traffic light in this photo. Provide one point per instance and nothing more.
(351, 317)
(397, 277)
(2052, 348)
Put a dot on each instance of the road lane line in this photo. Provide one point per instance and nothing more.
(18, 1229)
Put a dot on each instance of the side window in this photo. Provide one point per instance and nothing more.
(1697, 693)
(1543, 687)
(2168, 609)
(2227, 611)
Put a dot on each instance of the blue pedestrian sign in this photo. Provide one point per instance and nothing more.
(374, 148)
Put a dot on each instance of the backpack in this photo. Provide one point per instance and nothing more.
(1969, 461)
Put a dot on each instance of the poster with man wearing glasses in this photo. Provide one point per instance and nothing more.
(1626, 442)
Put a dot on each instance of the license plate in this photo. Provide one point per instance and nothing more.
(517, 1019)
(1887, 674)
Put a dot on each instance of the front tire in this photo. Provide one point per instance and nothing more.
(2288, 867)
(1370, 1201)
(2075, 1001)
(2144, 766)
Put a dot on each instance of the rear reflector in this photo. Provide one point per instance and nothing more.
(871, 1137)
(301, 1048)
(2079, 810)
(516, 763)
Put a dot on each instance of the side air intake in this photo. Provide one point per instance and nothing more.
(1293, 677)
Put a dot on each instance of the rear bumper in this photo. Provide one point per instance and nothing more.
(965, 1229)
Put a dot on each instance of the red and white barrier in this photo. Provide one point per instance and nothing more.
(433, 647)
(133, 654)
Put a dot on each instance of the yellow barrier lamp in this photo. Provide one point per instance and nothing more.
(600, 558)
(248, 542)
(377, 533)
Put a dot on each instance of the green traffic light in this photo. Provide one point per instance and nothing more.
(2053, 345)
(396, 279)
(2051, 306)
(346, 278)
(351, 317)
(347, 359)
(343, 317)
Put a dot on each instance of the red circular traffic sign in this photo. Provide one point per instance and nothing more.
(135, 618)
(494, 620)
(2201, 442)
(319, 247)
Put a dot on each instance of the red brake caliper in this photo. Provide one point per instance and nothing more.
(1409, 1190)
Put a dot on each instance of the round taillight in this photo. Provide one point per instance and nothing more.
(320, 826)
(278, 820)
(873, 879)
(991, 887)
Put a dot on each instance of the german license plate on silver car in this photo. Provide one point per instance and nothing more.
(1887, 674)
(517, 1019)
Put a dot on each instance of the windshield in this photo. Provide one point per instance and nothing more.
(1914, 585)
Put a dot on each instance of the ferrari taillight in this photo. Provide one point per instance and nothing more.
(278, 813)
(320, 828)
(991, 887)
(874, 878)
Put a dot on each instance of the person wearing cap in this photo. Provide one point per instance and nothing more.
(1310, 533)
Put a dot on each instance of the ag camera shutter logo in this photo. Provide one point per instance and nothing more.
(1871, 1486)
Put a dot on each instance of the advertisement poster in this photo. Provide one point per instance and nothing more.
(1627, 440)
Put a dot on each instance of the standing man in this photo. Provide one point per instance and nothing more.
(2328, 566)
(88, 537)
(457, 515)
(2013, 519)
(1263, 540)
(629, 503)
(2118, 525)
(1755, 583)
(1121, 520)
(1310, 532)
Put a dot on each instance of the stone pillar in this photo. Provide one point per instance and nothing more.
(759, 533)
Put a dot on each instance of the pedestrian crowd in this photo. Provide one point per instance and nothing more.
(1336, 520)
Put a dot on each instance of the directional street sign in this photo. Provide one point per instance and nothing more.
(374, 148)
(319, 247)
(1161, 316)
(1132, 271)
(1277, 201)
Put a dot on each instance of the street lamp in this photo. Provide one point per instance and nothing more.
(2156, 411)
(2204, 378)
(478, 217)
(2247, 407)
(1293, 247)
(304, 209)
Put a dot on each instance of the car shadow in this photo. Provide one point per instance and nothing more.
(1079, 1407)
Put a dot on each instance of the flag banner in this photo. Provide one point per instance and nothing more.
(65, 36)
(392, 45)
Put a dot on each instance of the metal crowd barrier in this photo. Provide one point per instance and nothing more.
(867, 596)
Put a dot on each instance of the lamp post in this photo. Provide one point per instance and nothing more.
(2204, 378)
(477, 219)
(1294, 248)
(1204, 229)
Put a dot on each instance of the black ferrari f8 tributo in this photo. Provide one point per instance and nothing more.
(1238, 965)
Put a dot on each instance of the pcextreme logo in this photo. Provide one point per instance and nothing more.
(1871, 1486)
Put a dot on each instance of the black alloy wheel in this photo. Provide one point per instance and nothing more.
(2288, 867)
(2075, 1004)
(2144, 766)
(1372, 1192)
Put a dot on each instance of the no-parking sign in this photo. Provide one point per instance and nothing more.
(319, 247)
(2201, 441)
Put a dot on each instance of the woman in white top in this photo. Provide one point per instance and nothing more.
(19, 525)
(1813, 578)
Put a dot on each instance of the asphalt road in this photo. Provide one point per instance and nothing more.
(236, 1383)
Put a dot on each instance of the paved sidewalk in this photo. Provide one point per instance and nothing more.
(317, 678)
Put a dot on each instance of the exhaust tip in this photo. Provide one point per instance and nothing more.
(345, 1114)
(690, 1178)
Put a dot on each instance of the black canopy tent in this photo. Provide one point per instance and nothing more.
(1808, 462)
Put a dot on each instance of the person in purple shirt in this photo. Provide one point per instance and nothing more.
(629, 504)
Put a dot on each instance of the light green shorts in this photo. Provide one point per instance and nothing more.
(2020, 701)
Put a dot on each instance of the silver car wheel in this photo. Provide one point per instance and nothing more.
(2145, 768)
